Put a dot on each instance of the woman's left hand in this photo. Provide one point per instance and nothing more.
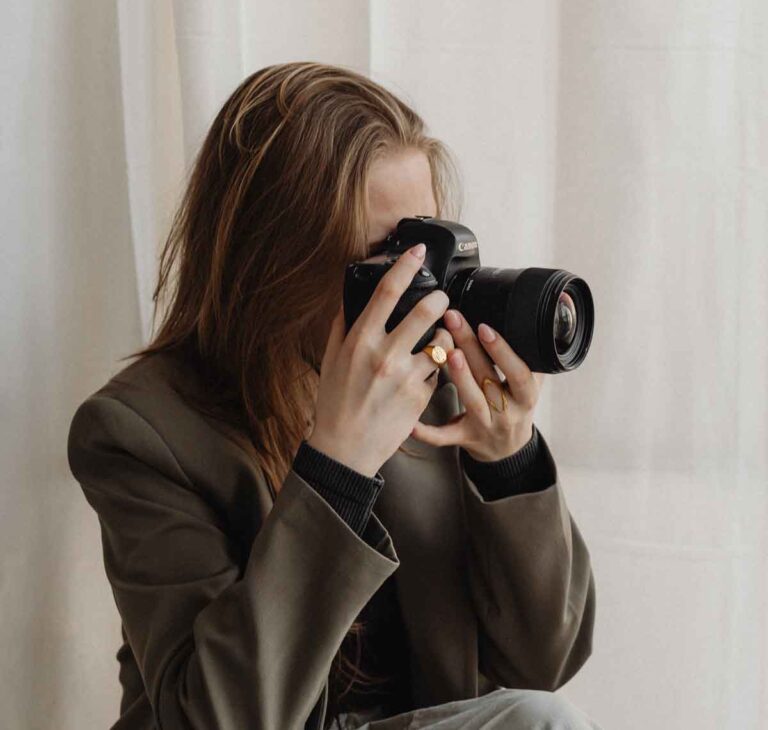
(486, 434)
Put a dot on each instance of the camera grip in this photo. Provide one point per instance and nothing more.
(360, 282)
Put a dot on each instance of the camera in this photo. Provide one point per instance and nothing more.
(545, 315)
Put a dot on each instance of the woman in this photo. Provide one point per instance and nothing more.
(235, 464)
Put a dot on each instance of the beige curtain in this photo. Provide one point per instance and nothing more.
(624, 141)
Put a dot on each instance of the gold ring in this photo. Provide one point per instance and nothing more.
(503, 394)
(437, 353)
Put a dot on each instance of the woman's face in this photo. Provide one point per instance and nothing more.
(399, 186)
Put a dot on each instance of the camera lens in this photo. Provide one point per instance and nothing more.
(564, 327)
(545, 315)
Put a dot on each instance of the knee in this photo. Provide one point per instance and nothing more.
(542, 710)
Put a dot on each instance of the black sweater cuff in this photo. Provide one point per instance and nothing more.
(351, 494)
(523, 471)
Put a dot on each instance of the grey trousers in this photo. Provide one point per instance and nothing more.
(502, 709)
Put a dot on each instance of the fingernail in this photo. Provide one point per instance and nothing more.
(452, 319)
(486, 333)
(418, 250)
(456, 359)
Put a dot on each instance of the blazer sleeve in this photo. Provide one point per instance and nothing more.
(220, 647)
(531, 583)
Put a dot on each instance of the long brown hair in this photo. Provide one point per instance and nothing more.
(273, 209)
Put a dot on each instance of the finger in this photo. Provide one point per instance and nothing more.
(336, 336)
(448, 435)
(421, 317)
(520, 380)
(467, 388)
(388, 292)
(539, 378)
(465, 338)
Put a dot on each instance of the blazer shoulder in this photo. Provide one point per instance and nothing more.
(149, 386)
(140, 396)
(142, 410)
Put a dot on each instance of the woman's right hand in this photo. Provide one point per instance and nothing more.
(372, 390)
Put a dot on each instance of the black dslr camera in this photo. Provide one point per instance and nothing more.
(546, 315)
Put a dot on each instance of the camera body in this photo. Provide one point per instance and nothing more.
(546, 315)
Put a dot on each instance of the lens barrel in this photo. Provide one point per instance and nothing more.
(552, 333)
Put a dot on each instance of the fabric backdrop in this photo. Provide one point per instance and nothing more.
(624, 141)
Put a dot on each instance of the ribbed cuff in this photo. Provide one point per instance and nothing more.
(507, 476)
(351, 494)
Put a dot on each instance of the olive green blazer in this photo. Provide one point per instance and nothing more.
(234, 603)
